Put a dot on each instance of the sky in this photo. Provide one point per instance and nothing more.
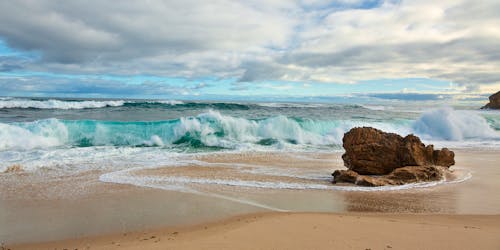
(185, 49)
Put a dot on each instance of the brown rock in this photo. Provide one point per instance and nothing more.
(414, 153)
(371, 151)
(494, 102)
(349, 176)
(374, 152)
(444, 157)
(370, 181)
(16, 168)
(399, 176)
(396, 160)
(344, 176)
(416, 174)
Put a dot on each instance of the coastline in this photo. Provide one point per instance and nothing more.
(81, 209)
(274, 230)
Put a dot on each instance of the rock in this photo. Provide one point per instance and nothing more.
(350, 176)
(371, 151)
(16, 168)
(416, 174)
(399, 176)
(370, 181)
(414, 153)
(494, 102)
(443, 157)
(374, 152)
(394, 159)
(344, 176)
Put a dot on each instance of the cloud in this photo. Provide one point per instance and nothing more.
(12, 63)
(409, 96)
(60, 86)
(344, 41)
(429, 39)
(255, 71)
(7, 67)
(200, 85)
(158, 36)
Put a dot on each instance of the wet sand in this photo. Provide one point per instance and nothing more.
(308, 231)
(47, 206)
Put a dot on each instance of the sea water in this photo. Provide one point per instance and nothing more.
(121, 136)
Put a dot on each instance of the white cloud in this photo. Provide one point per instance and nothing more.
(341, 41)
(449, 40)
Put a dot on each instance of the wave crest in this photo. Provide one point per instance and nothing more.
(38, 134)
(215, 130)
(12, 103)
(453, 125)
(57, 104)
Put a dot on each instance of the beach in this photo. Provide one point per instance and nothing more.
(308, 231)
(86, 173)
(44, 215)
(304, 124)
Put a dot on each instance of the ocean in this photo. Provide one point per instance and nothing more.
(118, 137)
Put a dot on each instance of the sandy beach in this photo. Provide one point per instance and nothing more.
(307, 231)
(232, 124)
(78, 211)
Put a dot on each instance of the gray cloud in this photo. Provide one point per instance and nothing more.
(303, 40)
(255, 70)
(461, 61)
(49, 86)
(409, 96)
(456, 51)
(7, 67)
(154, 36)
(11, 63)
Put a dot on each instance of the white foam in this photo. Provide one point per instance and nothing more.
(61, 104)
(154, 141)
(444, 127)
(453, 125)
(170, 102)
(57, 104)
(38, 134)
(377, 107)
(124, 177)
(239, 131)
(291, 105)
(74, 160)
(182, 184)
(322, 183)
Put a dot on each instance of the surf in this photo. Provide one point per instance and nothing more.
(212, 130)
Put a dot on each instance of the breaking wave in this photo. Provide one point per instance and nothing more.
(68, 104)
(12, 103)
(454, 125)
(217, 131)
(56, 104)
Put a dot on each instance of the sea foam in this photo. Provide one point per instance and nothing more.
(10, 103)
(38, 134)
(57, 104)
(184, 183)
(214, 129)
(453, 125)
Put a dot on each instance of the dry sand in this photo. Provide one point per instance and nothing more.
(308, 231)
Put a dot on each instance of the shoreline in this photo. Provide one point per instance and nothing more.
(305, 230)
(40, 208)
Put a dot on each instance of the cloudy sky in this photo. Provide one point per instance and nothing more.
(186, 48)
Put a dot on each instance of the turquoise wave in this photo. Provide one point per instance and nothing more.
(213, 130)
